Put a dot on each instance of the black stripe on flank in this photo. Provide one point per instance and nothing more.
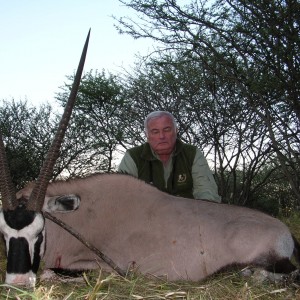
(283, 266)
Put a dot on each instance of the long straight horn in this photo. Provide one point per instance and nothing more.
(7, 190)
(36, 199)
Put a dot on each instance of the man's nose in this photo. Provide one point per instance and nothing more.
(161, 135)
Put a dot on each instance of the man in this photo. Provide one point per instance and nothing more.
(169, 164)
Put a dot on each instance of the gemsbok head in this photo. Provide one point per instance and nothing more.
(21, 221)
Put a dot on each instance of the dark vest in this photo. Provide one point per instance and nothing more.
(151, 170)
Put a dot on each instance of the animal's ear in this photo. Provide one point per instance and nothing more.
(62, 203)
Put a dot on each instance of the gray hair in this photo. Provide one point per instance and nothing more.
(158, 114)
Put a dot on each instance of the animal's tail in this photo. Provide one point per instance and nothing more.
(296, 251)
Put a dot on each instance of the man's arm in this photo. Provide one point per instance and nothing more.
(204, 185)
(128, 166)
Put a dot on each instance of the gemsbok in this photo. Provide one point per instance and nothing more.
(135, 224)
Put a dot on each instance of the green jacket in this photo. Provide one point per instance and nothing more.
(151, 169)
(187, 173)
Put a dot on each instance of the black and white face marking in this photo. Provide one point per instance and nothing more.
(24, 233)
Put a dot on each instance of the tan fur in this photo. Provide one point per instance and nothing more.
(138, 226)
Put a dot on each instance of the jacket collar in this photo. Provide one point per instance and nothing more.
(148, 154)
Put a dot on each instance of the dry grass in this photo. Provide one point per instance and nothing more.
(111, 287)
(100, 285)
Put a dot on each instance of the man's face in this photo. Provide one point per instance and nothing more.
(162, 135)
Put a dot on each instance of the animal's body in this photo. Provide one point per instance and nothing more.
(137, 225)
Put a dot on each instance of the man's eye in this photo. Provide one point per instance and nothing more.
(154, 132)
